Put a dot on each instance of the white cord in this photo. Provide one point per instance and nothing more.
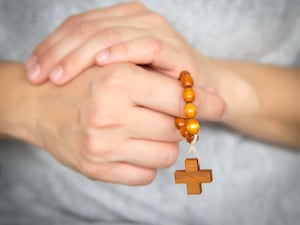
(192, 149)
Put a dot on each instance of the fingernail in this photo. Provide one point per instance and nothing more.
(102, 56)
(34, 72)
(56, 73)
(30, 61)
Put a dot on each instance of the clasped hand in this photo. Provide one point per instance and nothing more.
(114, 122)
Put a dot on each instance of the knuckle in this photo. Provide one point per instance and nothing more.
(118, 78)
(122, 50)
(139, 88)
(71, 22)
(90, 146)
(154, 46)
(84, 30)
(42, 47)
(49, 57)
(95, 114)
(69, 62)
(89, 171)
(99, 150)
(111, 35)
(100, 117)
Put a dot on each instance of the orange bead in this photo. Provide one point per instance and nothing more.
(190, 110)
(189, 137)
(187, 81)
(183, 131)
(184, 74)
(192, 126)
(188, 95)
(179, 122)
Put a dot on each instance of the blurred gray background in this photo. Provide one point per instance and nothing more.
(254, 182)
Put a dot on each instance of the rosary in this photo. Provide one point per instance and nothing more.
(189, 127)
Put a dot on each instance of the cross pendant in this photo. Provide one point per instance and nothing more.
(193, 176)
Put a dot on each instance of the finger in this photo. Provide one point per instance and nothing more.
(150, 154)
(32, 66)
(69, 24)
(118, 172)
(151, 125)
(145, 50)
(164, 94)
(137, 122)
(112, 145)
(59, 61)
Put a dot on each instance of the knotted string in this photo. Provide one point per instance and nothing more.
(192, 149)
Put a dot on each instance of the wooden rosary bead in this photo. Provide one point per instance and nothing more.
(192, 126)
(184, 74)
(187, 82)
(188, 95)
(188, 128)
(190, 110)
(183, 131)
(179, 122)
(189, 137)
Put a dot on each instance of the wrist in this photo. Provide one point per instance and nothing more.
(237, 92)
(16, 105)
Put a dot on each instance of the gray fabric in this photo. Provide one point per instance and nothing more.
(254, 182)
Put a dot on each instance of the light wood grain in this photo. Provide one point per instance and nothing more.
(192, 176)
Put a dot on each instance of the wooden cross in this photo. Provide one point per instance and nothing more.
(193, 176)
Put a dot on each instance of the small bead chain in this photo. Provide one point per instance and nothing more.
(188, 126)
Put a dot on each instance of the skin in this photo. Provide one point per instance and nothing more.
(108, 138)
(132, 33)
(113, 139)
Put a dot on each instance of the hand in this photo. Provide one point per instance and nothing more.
(115, 123)
(130, 32)
(126, 32)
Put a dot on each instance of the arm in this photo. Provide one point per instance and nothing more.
(15, 102)
(265, 103)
